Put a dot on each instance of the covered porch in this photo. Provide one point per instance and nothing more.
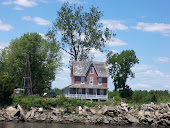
(86, 92)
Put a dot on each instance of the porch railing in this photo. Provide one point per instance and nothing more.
(86, 96)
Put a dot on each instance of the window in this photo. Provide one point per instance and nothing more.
(91, 80)
(101, 92)
(91, 70)
(82, 80)
(80, 91)
(99, 81)
(94, 91)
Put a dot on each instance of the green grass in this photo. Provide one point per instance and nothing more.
(36, 101)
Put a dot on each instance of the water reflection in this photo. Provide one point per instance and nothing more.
(51, 125)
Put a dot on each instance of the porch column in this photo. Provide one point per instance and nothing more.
(76, 92)
(86, 92)
(107, 93)
(96, 93)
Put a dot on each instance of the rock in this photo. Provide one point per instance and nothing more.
(32, 113)
(22, 115)
(56, 111)
(167, 122)
(149, 119)
(2, 119)
(12, 111)
(157, 113)
(147, 113)
(93, 111)
(131, 118)
(28, 114)
(79, 110)
(40, 109)
(84, 112)
(124, 104)
(86, 108)
(141, 113)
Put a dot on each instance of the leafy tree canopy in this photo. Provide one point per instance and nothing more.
(120, 69)
(44, 57)
(80, 31)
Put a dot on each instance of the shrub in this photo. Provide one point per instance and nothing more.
(6, 89)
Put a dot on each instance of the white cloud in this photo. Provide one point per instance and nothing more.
(24, 3)
(163, 59)
(98, 56)
(43, 36)
(7, 2)
(61, 78)
(116, 42)
(115, 51)
(141, 86)
(3, 44)
(27, 18)
(114, 24)
(41, 21)
(153, 27)
(167, 87)
(148, 75)
(73, 1)
(141, 67)
(18, 8)
(5, 27)
(42, 1)
(37, 20)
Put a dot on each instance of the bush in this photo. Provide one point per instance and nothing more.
(156, 96)
(36, 101)
(6, 89)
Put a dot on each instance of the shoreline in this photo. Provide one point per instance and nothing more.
(151, 115)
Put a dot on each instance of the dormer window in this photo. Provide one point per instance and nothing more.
(91, 70)
(82, 80)
(99, 81)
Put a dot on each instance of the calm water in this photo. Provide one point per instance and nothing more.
(51, 125)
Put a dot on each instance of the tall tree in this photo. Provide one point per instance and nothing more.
(80, 31)
(120, 68)
(44, 57)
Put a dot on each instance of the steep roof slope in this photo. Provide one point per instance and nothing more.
(80, 68)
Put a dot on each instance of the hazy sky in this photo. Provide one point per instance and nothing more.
(143, 26)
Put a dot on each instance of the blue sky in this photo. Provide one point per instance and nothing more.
(143, 26)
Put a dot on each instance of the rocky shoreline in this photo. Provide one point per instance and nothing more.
(122, 115)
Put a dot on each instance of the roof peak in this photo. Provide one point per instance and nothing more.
(80, 68)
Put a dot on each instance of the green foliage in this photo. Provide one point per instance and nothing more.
(126, 92)
(81, 31)
(6, 89)
(156, 96)
(120, 70)
(113, 93)
(44, 57)
(36, 101)
(57, 91)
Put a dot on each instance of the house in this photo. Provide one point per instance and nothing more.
(88, 81)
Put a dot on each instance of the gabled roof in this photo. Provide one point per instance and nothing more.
(80, 68)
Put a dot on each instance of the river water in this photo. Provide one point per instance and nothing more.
(52, 125)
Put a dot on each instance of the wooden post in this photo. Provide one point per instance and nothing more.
(76, 92)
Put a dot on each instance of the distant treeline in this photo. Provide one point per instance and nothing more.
(139, 96)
